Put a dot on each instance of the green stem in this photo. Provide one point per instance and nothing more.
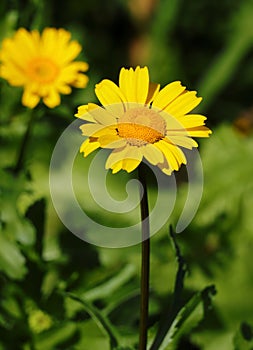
(23, 147)
(145, 262)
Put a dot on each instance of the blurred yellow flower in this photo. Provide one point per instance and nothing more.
(39, 321)
(140, 120)
(42, 64)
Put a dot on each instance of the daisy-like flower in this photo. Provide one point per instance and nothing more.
(42, 64)
(139, 120)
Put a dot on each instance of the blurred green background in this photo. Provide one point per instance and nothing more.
(208, 45)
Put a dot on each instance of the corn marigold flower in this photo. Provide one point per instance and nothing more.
(42, 64)
(139, 120)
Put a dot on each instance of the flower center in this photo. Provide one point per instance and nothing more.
(140, 126)
(43, 70)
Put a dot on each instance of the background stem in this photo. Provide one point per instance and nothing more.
(145, 262)
(23, 147)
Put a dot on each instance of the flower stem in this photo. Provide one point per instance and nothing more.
(145, 262)
(23, 147)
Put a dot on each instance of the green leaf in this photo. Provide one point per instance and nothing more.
(100, 319)
(52, 338)
(90, 337)
(171, 312)
(8, 24)
(188, 318)
(16, 230)
(12, 262)
(109, 287)
(14, 224)
(243, 339)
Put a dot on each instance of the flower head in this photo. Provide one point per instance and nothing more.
(42, 64)
(139, 120)
(39, 321)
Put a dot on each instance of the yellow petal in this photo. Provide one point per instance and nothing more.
(152, 92)
(128, 152)
(103, 116)
(166, 169)
(192, 120)
(73, 50)
(30, 99)
(27, 42)
(134, 84)
(117, 167)
(173, 154)
(83, 112)
(201, 131)
(126, 164)
(168, 94)
(80, 80)
(88, 147)
(90, 129)
(23, 42)
(111, 141)
(48, 41)
(130, 164)
(65, 51)
(182, 141)
(109, 93)
(172, 123)
(152, 154)
(71, 73)
(52, 99)
(13, 74)
(183, 104)
(64, 89)
(115, 156)
(109, 130)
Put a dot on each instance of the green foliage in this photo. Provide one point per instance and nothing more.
(57, 292)
(101, 320)
(188, 318)
(243, 340)
(16, 230)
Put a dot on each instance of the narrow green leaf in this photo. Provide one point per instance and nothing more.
(188, 318)
(101, 320)
(182, 268)
(172, 310)
(107, 288)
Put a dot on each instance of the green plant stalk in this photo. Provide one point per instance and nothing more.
(24, 144)
(145, 262)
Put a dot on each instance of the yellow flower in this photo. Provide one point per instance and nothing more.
(140, 120)
(42, 64)
(39, 321)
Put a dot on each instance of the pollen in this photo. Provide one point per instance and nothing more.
(140, 126)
